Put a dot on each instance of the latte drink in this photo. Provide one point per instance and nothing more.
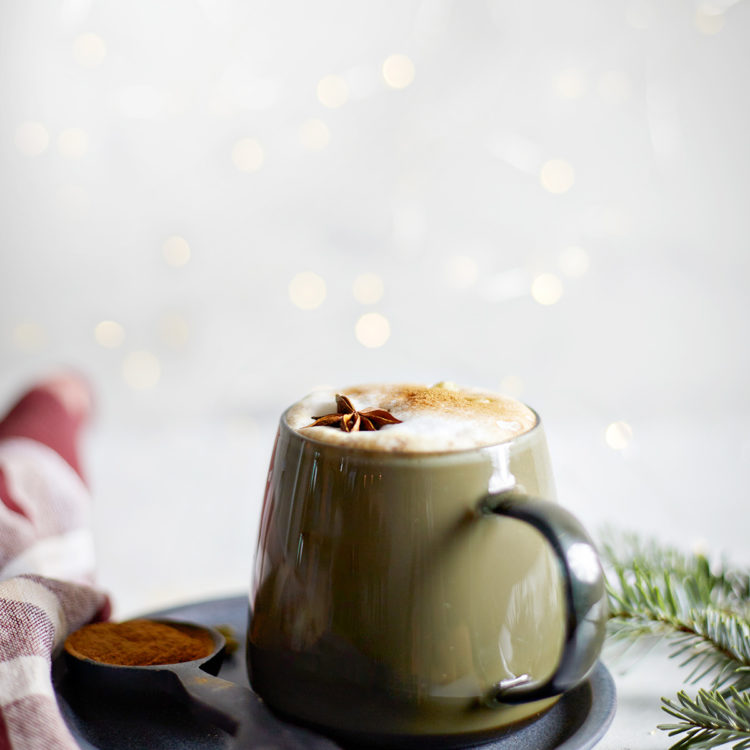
(385, 605)
(433, 419)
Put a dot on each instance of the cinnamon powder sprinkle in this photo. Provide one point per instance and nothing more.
(140, 643)
(441, 399)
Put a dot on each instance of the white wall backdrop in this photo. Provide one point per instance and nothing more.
(212, 206)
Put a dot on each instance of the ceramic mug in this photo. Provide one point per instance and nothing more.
(435, 596)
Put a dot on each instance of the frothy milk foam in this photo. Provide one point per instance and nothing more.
(436, 418)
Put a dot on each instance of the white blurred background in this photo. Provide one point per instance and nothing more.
(210, 207)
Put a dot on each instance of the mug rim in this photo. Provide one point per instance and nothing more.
(284, 424)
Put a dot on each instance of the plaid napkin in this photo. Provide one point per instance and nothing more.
(46, 557)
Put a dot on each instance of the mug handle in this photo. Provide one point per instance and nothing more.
(585, 596)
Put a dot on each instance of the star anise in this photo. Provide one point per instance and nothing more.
(349, 419)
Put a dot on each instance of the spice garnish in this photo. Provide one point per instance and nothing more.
(140, 643)
(349, 419)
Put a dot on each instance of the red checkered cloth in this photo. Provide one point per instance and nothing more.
(46, 558)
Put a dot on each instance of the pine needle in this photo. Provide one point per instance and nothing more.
(702, 610)
(709, 720)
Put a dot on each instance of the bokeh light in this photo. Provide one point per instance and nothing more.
(72, 143)
(368, 288)
(546, 289)
(333, 91)
(618, 435)
(109, 334)
(557, 176)
(573, 261)
(141, 370)
(247, 155)
(372, 330)
(29, 336)
(314, 135)
(176, 251)
(708, 19)
(570, 84)
(174, 331)
(89, 50)
(461, 271)
(512, 385)
(307, 290)
(398, 71)
(700, 546)
(32, 138)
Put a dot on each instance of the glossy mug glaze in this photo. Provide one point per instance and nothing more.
(391, 601)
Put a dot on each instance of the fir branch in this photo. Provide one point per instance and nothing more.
(687, 610)
(704, 612)
(718, 584)
(709, 720)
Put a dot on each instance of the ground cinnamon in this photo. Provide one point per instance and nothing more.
(140, 643)
(442, 398)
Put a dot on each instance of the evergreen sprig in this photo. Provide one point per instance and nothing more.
(661, 592)
(709, 720)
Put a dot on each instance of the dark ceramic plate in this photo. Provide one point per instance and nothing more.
(576, 722)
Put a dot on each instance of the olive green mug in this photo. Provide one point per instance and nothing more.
(406, 596)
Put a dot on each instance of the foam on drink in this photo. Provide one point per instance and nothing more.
(436, 418)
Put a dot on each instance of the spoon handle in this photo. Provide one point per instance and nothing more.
(217, 701)
(240, 712)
